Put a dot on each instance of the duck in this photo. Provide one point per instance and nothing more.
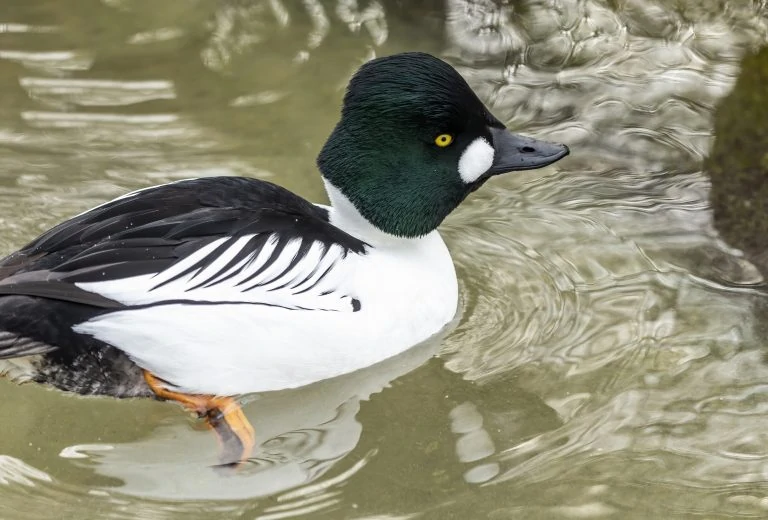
(203, 290)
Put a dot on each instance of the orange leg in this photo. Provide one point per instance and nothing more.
(223, 414)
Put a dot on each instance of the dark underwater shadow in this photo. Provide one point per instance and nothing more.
(738, 163)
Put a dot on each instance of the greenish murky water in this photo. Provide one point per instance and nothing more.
(608, 360)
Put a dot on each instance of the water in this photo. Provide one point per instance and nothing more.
(608, 358)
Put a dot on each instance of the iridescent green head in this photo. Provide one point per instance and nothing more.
(414, 140)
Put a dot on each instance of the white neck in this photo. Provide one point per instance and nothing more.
(345, 216)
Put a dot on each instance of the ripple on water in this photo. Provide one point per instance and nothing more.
(593, 307)
(612, 343)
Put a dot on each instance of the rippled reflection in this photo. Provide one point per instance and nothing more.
(607, 361)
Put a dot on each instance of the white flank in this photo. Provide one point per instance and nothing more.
(406, 289)
(475, 160)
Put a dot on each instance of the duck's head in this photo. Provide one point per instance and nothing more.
(414, 141)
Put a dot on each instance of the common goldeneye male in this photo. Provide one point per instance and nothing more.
(204, 289)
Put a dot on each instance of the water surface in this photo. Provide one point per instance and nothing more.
(607, 361)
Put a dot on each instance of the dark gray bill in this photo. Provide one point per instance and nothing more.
(515, 152)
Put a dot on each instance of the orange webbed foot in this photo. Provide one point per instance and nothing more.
(223, 414)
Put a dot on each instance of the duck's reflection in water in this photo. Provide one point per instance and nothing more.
(301, 434)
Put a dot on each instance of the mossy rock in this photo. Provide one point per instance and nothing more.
(738, 164)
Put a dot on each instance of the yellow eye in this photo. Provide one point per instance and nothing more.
(443, 140)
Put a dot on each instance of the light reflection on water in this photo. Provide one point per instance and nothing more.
(607, 361)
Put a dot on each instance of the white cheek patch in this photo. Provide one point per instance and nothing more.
(475, 160)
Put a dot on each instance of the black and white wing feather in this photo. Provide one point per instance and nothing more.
(212, 240)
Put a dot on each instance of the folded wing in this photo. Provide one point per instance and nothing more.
(213, 240)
